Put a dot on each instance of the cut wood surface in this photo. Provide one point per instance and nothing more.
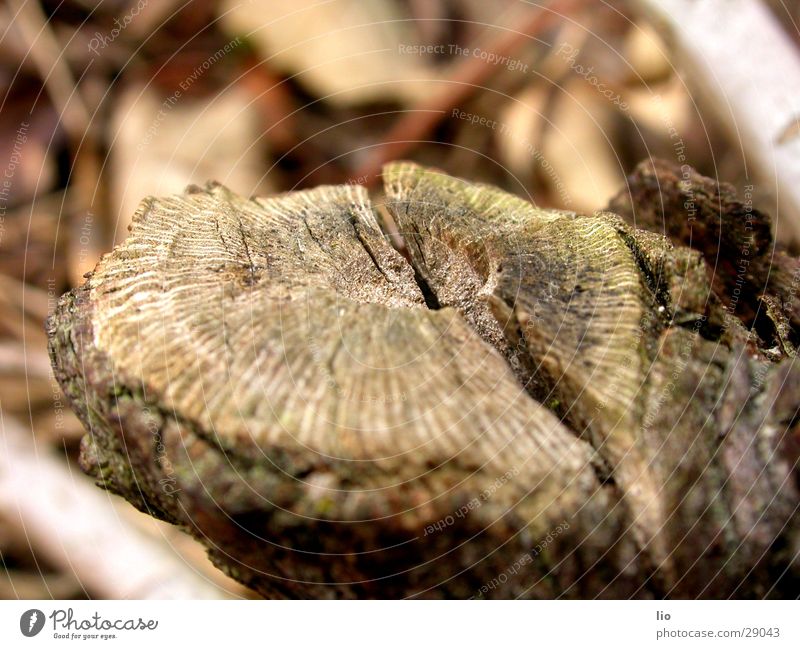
(519, 402)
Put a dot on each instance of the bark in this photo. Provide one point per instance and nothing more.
(525, 402)
(757, 103)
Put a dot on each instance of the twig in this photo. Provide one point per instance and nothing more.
(466, 77)
(75, 527)
(47, 55)
(15, 359)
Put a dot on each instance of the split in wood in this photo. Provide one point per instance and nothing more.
(523, 390)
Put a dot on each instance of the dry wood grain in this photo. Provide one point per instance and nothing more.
(333, 419)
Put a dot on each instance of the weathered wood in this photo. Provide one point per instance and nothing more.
(756, 99)
(532, 403)
(754, 278)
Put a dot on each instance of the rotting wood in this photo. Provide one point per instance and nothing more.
(536, 403)
(756, 102)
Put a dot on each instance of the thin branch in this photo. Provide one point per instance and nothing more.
(76, 528)
(466, 77)
(48, 56)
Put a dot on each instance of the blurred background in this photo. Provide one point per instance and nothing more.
(104, 103)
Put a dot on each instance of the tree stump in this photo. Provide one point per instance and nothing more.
(516, 402)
